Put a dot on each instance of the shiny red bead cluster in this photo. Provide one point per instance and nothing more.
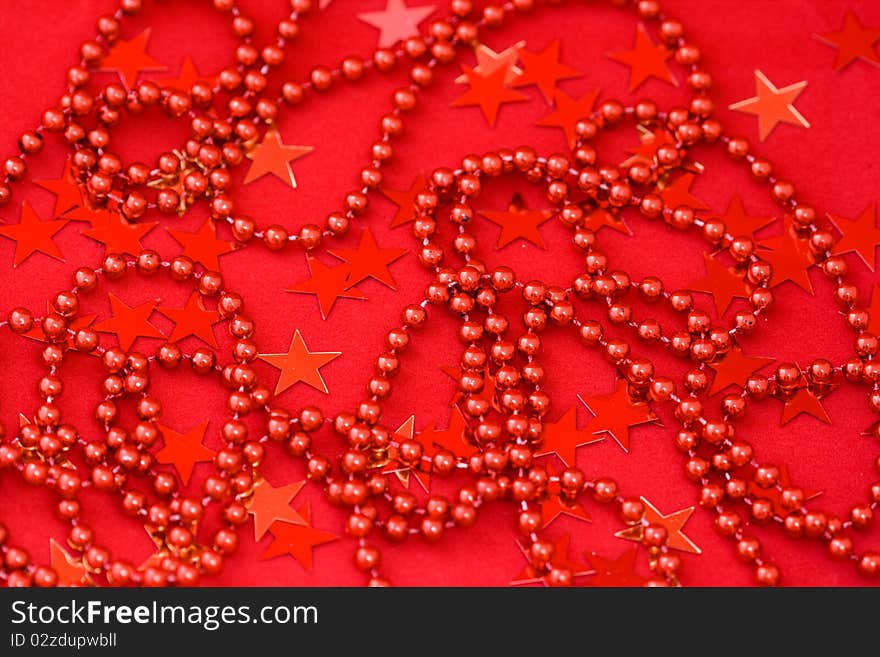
(502, 434)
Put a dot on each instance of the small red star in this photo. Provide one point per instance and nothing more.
(554, 505)
(193, 320)
(649, 142)
(65, 188)
(369, 261)
(187, 77)
(405, 201)
(602, 217)
(454, 372)
(184, 450)
(393, 465)
(738, 222)
(129, 322)
(615, 413)
(722, 282)
(69, 571)
(328, 284)
(563, 437)
(203, 245)
(297, 540)
(852, 41)
(673, 523)
(645, 60)
(489, 61)
(273, 156)
(396, 22)
(488, 92)
(31, 235)
(678, 192)
(560, 560)
(545, 70)
(128, 58)
(619, 572)
(452, 439)
(774, 494)
(568, 112)
(790, 258)
(734, 369)
(518, 222)
(859, 235)
(300, 365)
(803, 401)
(772, 105)
(116, 233)
(269, 505)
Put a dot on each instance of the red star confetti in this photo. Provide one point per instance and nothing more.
(616, 412)
(649, 142)
(129, 322)
(203, 245)
(328, 284)
(735, 368)
(129, 58)
(397, 21)
(454, 372)
(852, 41)
(297, 540)
(672, 523)
(859, 235)
(405, 201)
(790, 258)
(273, 156)
(774, 494)
(31, 235)
(518, 222)
(678, 192)
(568, 112)
(803, 401)
(65, 188)
(452, 439)
(187, 77)
(193, 320)
(554, 505)
(489, 61)
(184, 450)
(602, 217)
(646, 60)
(723, 283)
(116, 233)
(545, 70)
(369, 261)
(69, 571)
(393, 465)
(619, 572)
(772, 106)
(270, 505)
(488, 92)
(738, 222)
(300, 365)
(560, 560)
(563, 438)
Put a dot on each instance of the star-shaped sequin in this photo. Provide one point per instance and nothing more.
(518, 222)
(203, 245)
(129, 322)
(129, 58)
(184, 450)
(560, 560)
(646, 60)
(859, 235)
(396, 22)
(274, 156)
(269, 505)
(678, 192)
(735, 368)
(803, 401)
(369, 261)
(738, 222)
(790, 258)
(297, 540)
(65, 188)
(328, 284)
(619, 572)
(852, 41)
(452, 439)
(193, 320)
(70, 572)
(723, 283)
(672, 523)
(405, 200)
(116, 233)
(568, 112)
(605, 217)
(616, 413)
(545, 70)
(393, 465)
(772, 106)
(555, 505)
(187, 77)
(774, 494)
(488, 92)
(563, 438)
(300, 365)
(31, 235)
(489, 61)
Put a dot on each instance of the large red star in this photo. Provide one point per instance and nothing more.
(803, 401)
(116, 233)
(184, 450)
(790, 258)
(203, 245)
(269, 505)
(645, 60)
(673, 523)
(772, 105)
(300, 365)
(734, 369)
(563, 437)
(69, 572)
(518, 222)
(328, 284)
(452, 439)
(568, 112)
(297, 540)
(396, 22)
(128, 322)
(369, 261)
(488, 92)
(619, 572)
(32, 235)
(405, 201)
(852, 41)
(65, 188)
(192, 319)
(273, 156)
(859, 235)
(678, 192)
(738, 222)
(615, 413)
(129, 58)
(545, 70)
(723, 283)
(560, 560)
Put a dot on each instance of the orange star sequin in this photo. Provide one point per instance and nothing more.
(673, 523)
(203, 245)
(269, 505)
(563, 438)
(735, 368)
(859, 235)
(129, 58)
(273, 156)
(405, 201)
(646, 60)
(772, 106)
(489, 61)
(300, 365)
(615, 413)
(369, 261)
(568, 112)
(328, 284)
(852, 41)
(518, 222)
(489, 92)
(129, 322)
(722, 282)
(193, 320)
(31, 235)
(184, 450)
(297, 540)
(545, 70)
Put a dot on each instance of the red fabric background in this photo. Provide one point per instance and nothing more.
(833, 164)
